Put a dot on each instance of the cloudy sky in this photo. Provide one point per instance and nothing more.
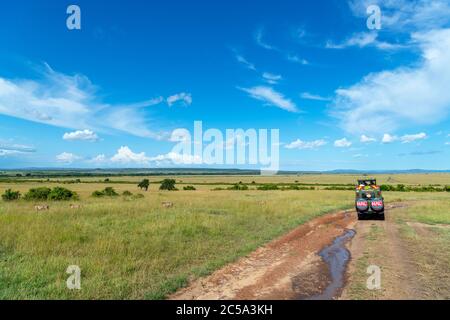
(109, 95)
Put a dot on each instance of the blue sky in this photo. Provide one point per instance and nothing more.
(109, 95)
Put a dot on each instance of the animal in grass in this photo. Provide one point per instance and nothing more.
(41, 207)
(167, 204)
(75, 206)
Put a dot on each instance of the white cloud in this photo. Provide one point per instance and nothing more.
(84, 135)
(185, 98)
(177, 158)
(310, 96)
(259, 40)
(70, 101)
(125, 156)
(12, 149)
(296, 59)
(241, 59)
(364, 39)
(99, 159)
(401, 15)
(366, 139)
(299, 144)
(6, 152)
(8, 148)
(407, 95)
(408, 138)
(67, 157)
(387, 138)
(360, 155)
(271, 78)
(342, 143)
(271, 97)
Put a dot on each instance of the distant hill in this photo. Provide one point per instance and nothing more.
(61, 172)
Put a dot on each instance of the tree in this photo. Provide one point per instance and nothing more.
(144, 184)
(10, 195)
(168, 184)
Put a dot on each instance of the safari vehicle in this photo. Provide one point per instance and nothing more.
(369, 202)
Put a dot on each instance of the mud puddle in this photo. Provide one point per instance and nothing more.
(336, 256)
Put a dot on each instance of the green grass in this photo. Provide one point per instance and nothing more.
(137, 249)
(431, 212)
(429, 245)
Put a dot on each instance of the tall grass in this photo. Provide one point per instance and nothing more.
(138, 249)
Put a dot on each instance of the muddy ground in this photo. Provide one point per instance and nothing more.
(321, 259)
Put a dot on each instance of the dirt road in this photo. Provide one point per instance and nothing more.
(325, 258)
(287, 268)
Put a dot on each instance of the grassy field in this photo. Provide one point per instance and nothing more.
(136, 249)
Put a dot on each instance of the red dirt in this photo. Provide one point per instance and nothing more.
(286, 268)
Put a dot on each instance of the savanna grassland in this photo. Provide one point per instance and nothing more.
(135, 248)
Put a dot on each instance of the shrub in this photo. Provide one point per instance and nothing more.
(340, 188)
(38, 193)
(127, 193)
(238, 187)
(266, 187)
(138, 196)
(110, 192)
(447, 188)
(168, 184)
(62, 194)
(387, 187)
(189, 188)
(107, 192)
(10, 195)
(97, 194)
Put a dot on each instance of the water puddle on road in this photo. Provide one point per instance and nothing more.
(336, 256)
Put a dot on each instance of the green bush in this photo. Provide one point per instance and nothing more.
(339, 188)
(62, 194)
(266, 187)
(110, 192)
(138, 196)
(127, 193)
(168, 184)
(238, 186)
(97, 194)
(36, 194)
(10, 195)
(189, 188)
(447, 188)
(107, 192)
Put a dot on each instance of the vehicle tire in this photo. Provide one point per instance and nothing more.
(361, 216)
(381, 216)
